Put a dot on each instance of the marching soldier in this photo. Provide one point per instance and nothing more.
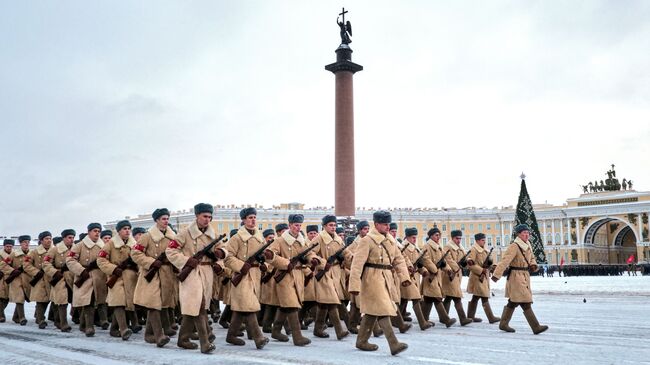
(115, 261)
(412, 292)
(89, 280)
(196, 290)
(398, 320)
(224, 295)
(156, 293)
(244, 301)
(137, 232)
(363, 227)
(106, 236)
(16, 278)
(60, 277)
(329, 291)
(307, 313)
(269, 302)
(7, 247)
(454, 274)
(40, 288)
(432, 283)
(519, 258)
(479, 265)
(291, 288)
(370, 277)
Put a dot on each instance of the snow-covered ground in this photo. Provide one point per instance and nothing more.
(612, 327)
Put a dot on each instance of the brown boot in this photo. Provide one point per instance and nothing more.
(319, 324)
(269, 316)
(355, 318)
(166, 322)
(426, 306)
(464, 321)
(341, 332)
(226, 317)
(233, 329)
(201, 324)
(148, 333)
(532, 319)
(402, 310)
(488, 312)
(443, 315)
(366, 326)
(3, 305)
(89, 316)
(276, 331)
(39, 313)
(102, 312)
(447, 304)
(120, 316)
(254, 329)
(296, 333)
(171, 313)
(153, 317)
(63, 318)
(505, 319)
(133, 321)
(395, 346)
(398, 321)
(471, 309)
(184, 333)
(376, 330)
(423, 322)
(114, 328)
(344, 314)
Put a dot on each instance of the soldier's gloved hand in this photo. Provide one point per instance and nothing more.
(470, 262)
(57, 276)
(117, 271)
(443, 265)
(192, 262)
(315, 262)
(354, 293)
(268, 255)
(290, 265)
(309, 276)
(406, 283)
(494, 278)
(157, 264)
(245, 268)
(533, 268)
(217, 269)
(219, 253)
(263, 268)
(303, 260)
(84, 274)
(425, 273)
(327, 266)
(411, 270)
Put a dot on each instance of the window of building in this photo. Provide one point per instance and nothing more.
(231, 226)
(471, 226)
(444, 227)
(453, 226)
(444, 240)
(489, 240)
(472, 241)
(462, 226)
(220, 227)
(487, 227)
(261, 226)
(498, 240)
(480, 227)
(497, 226)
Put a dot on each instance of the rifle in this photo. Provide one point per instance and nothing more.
(461, 264)
(299, 257)
(463, 260)
(268, 276)
(257, 256)
(153, 269)
(122, 266)
(37, 278)
(85, 275)
(405, 246)
(14, 274)
(441, 263)
(56, 278)
(331, 260)
(487, 263)
(186, 270)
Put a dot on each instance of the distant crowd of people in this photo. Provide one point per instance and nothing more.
(594, 270)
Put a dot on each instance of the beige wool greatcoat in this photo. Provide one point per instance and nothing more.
(411, 292)
(375, 284)
(33, 265)
(290, 291)
(55, 262)
(451, 287)
(161, 291)
(477, 256)
(329, 290)
(309, 294)
(518, 284)
(18, 292)
(113, 254)
(79, 257)
(245, 296)
(195, 292)
(4, 288)
(432, 284)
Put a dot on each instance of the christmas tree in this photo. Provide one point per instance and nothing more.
(525, 215)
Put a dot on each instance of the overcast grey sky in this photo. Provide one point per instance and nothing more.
(114, 108)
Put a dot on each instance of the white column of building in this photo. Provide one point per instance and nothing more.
(568, 229)
(640, 223)
(544, 230)
(503, 242)
(553, 231)
(561, 232)
(578, 240)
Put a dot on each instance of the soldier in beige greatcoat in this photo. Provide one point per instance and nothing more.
(12, 265)
(269, 302)
(308, 310)
(7, 247)
(478, 284)
(453, 276)
(158, 295)
(60, 277)
(244, 300)
(329, 290)
(195, 292)
(290, 290)
(412, 292)
(89, 280)
(519, 258)
(432, 282)
(370, 277)
(40, 288)
(115, 261)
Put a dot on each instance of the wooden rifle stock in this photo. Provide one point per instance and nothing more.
(299, 257)
(257, 256)
(185, 272)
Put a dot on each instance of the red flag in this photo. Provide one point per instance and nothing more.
(562, 261)
(630, 259)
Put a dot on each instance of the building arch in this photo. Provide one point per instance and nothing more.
(590, 232)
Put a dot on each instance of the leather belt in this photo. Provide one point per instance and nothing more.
(378, 266)
(518, 268)
(206, 263)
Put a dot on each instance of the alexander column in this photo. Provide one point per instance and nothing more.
(344, 69)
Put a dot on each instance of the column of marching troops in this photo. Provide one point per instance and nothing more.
(282, 281)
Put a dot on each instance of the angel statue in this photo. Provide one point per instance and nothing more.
(346, 28)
